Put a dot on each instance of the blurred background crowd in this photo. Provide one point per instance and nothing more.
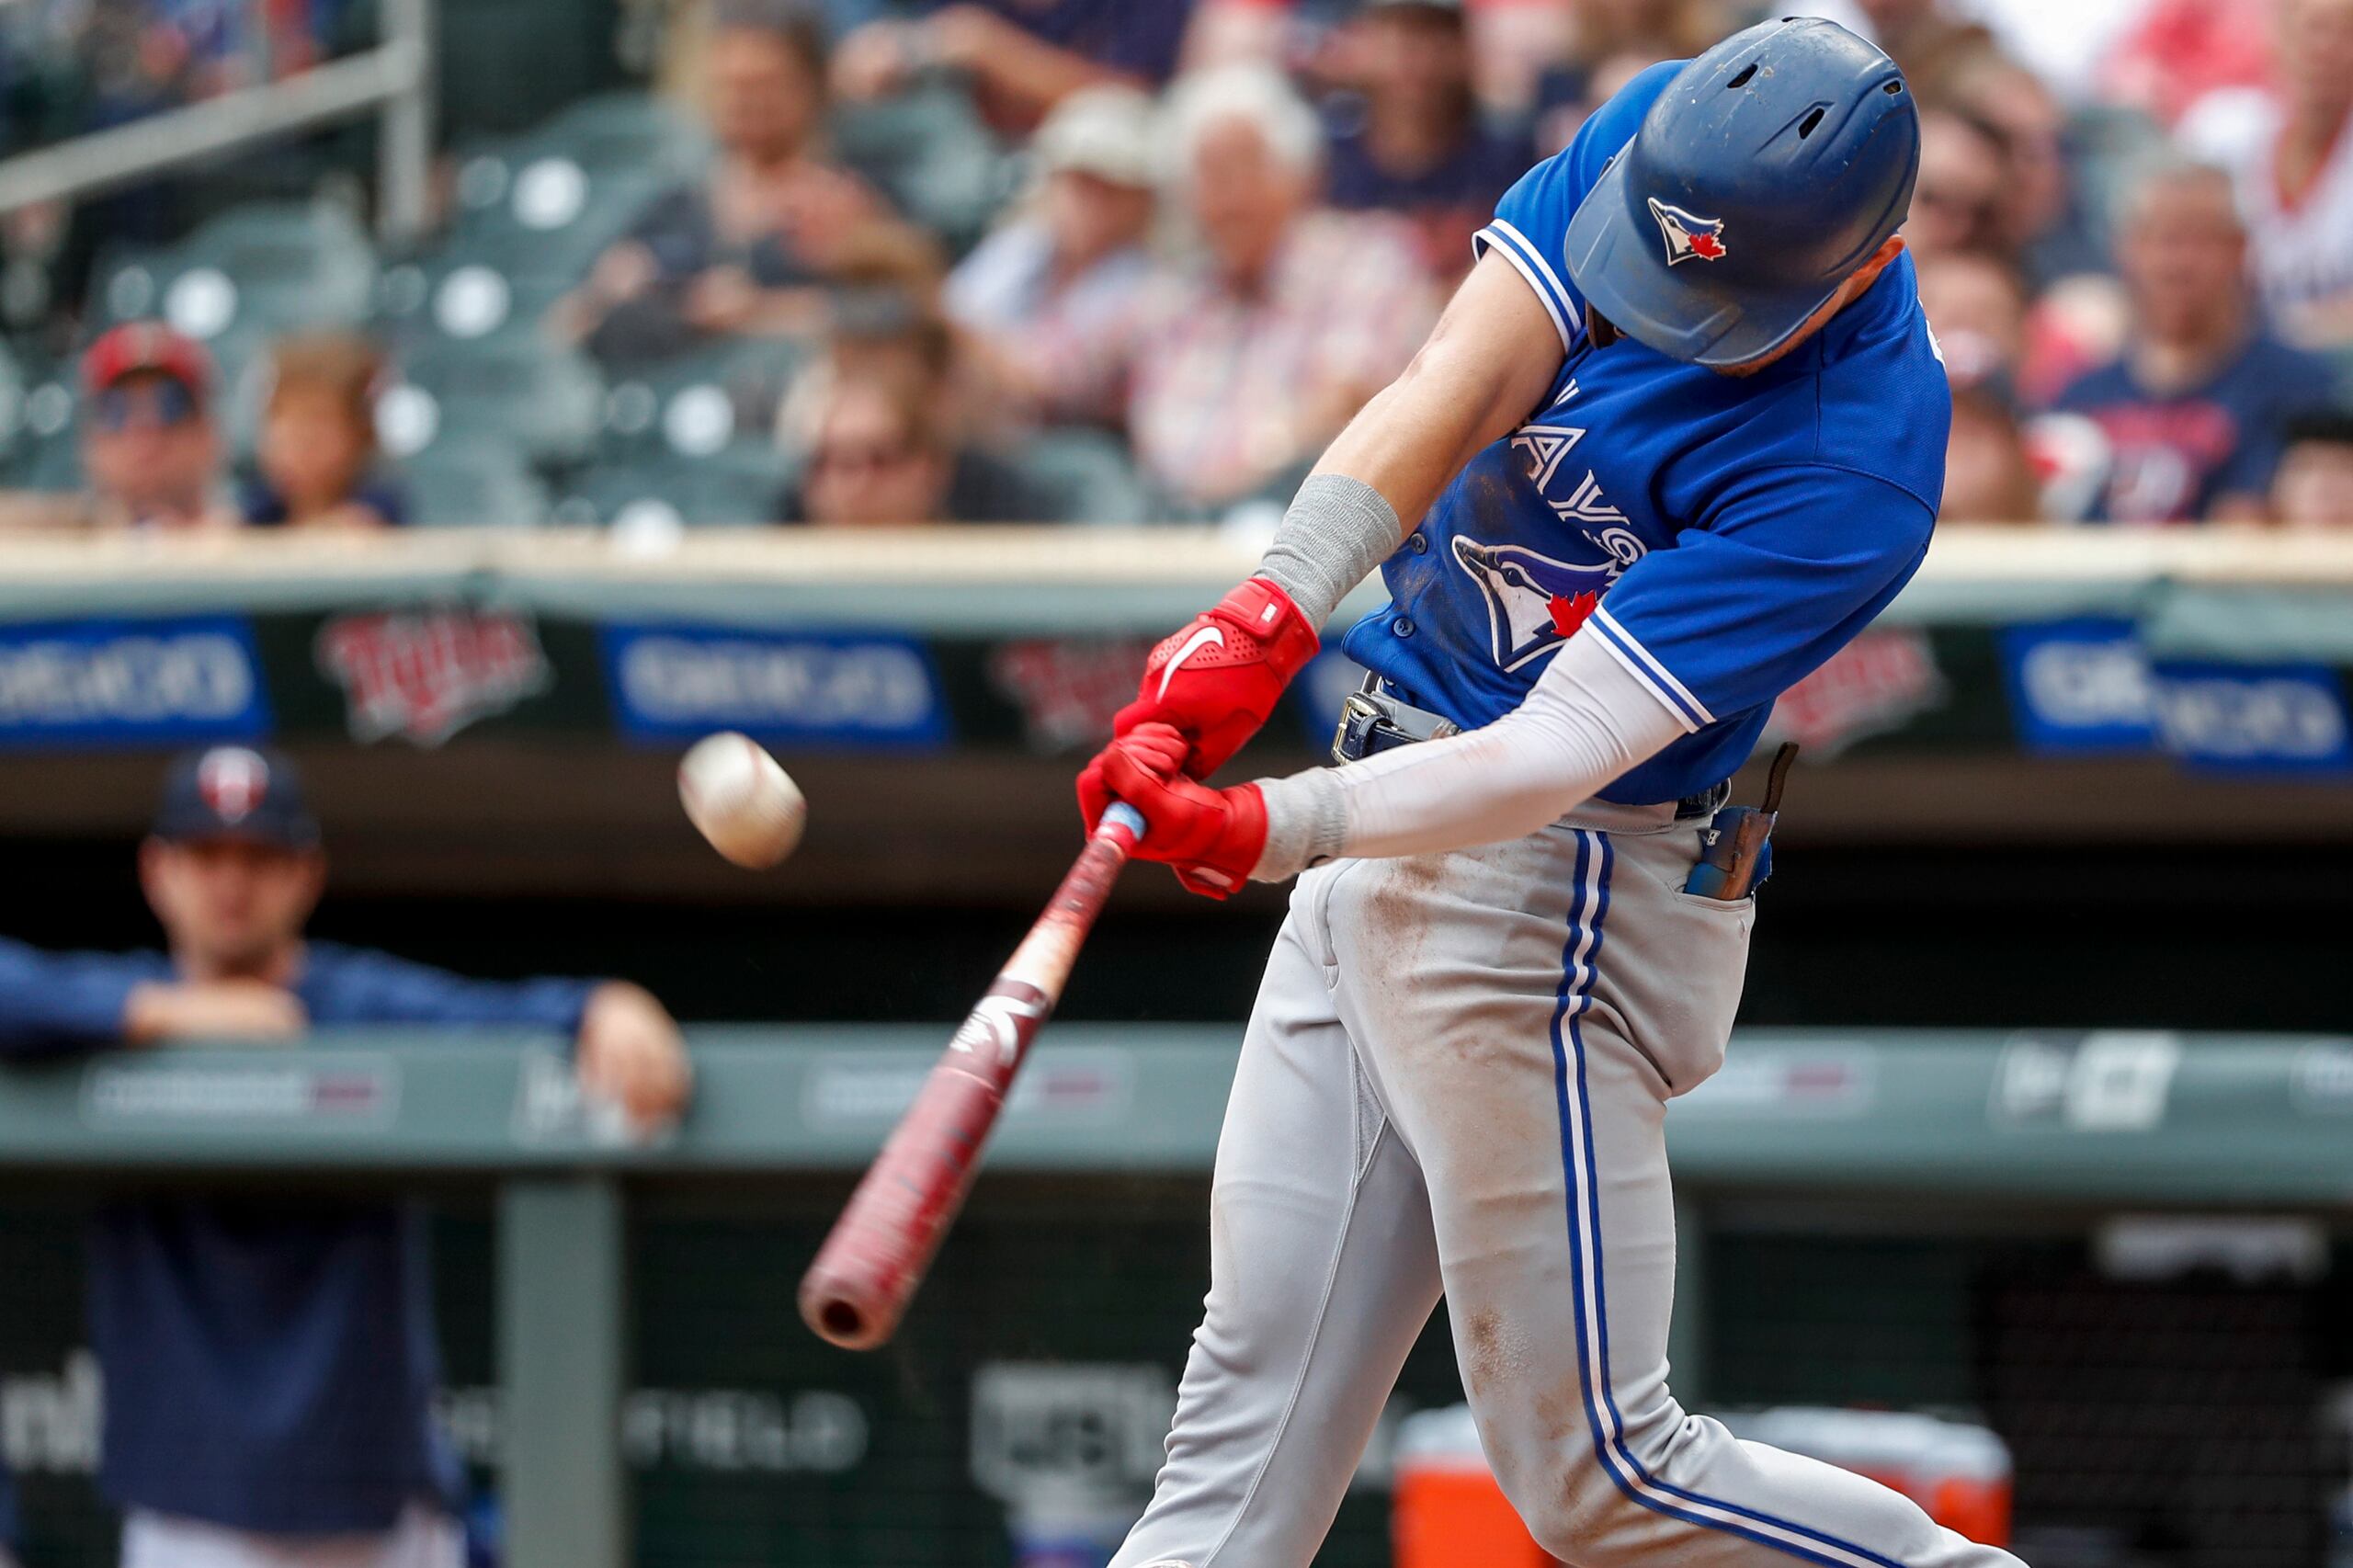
(1092, 261)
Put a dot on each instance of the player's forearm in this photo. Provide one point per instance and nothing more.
(1471, 382)
(1586, 721)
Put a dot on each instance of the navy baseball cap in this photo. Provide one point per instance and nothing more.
(1771, 168)
(236, 792)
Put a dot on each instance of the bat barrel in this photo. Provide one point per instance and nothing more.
(867, 1272)
(865, 1275)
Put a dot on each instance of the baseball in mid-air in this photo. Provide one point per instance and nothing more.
(738, 797)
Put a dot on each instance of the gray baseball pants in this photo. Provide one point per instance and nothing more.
(1455, 1081)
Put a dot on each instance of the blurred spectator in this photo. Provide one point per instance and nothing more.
(1409, 139)
(2313, 486)
(318, 439)
(1976, 306)
(895, 369)
(151, 453)
(1077, 254)
(2193, 411)
(2038, 219)
(1988, 477)
(269, 1361)
(2062, 44)
(1612, 42)
(889, 336)
(11, 1527)
(1957, 200)
(1233, 372)
(745, 250)
(2290, 150)
(1022, 57)
(1927, 37)
(873, 458)
(2075, 325)
(2179, 51)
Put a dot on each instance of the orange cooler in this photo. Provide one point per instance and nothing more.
(1446, 1509)
(1448, 1512)
(1959, 1474)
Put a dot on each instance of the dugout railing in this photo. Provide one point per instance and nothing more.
(1897, 1129)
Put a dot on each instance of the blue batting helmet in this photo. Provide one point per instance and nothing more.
(1769, 169)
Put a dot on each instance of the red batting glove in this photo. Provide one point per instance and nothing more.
(1211, 836)
(1216, 681)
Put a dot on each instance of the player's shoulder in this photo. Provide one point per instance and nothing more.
(1881, 403)
(1531, 228)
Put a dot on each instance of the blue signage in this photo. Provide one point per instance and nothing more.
(2079, 688)
(167, 681)
(2088, 687)
(835, 690)
(2286, 718)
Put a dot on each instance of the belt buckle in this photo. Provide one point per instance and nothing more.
(1353, 739)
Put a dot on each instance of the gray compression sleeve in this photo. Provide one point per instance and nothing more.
(1584, 722)
(1336, 532)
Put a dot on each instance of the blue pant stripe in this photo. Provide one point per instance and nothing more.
(1576, 996)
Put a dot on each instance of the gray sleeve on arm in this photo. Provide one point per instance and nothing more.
(1336, 532)
(1585, 722)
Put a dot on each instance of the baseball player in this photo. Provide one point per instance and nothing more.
(271, 1358)
(1677, 438)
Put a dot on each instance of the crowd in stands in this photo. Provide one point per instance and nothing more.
(1138, 260)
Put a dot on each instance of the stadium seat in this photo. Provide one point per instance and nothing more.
(736, 487)
(12, 412)
(2113, 146)
(544, 204)
(929, 152)
(544, 400)
(262, 269)
(625, 131)
(1081, 476)
(702, 402)
(470, 482)
(49, 455)
(456, 296)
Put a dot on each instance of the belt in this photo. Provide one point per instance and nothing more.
(1372, 722)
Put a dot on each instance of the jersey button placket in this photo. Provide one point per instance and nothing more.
(1402, 627)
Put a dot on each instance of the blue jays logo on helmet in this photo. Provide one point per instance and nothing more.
(1688, 234)
(1533, 601)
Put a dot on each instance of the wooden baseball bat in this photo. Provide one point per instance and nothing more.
(867, 1272)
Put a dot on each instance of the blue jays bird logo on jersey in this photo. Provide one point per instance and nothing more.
(1533, 601)
(1688, 236)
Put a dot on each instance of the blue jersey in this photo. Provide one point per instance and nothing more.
(270, 1362)
(1720, 535)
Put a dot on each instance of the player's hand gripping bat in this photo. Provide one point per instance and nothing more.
(868, 1270)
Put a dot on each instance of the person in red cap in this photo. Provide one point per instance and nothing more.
(152, 455)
